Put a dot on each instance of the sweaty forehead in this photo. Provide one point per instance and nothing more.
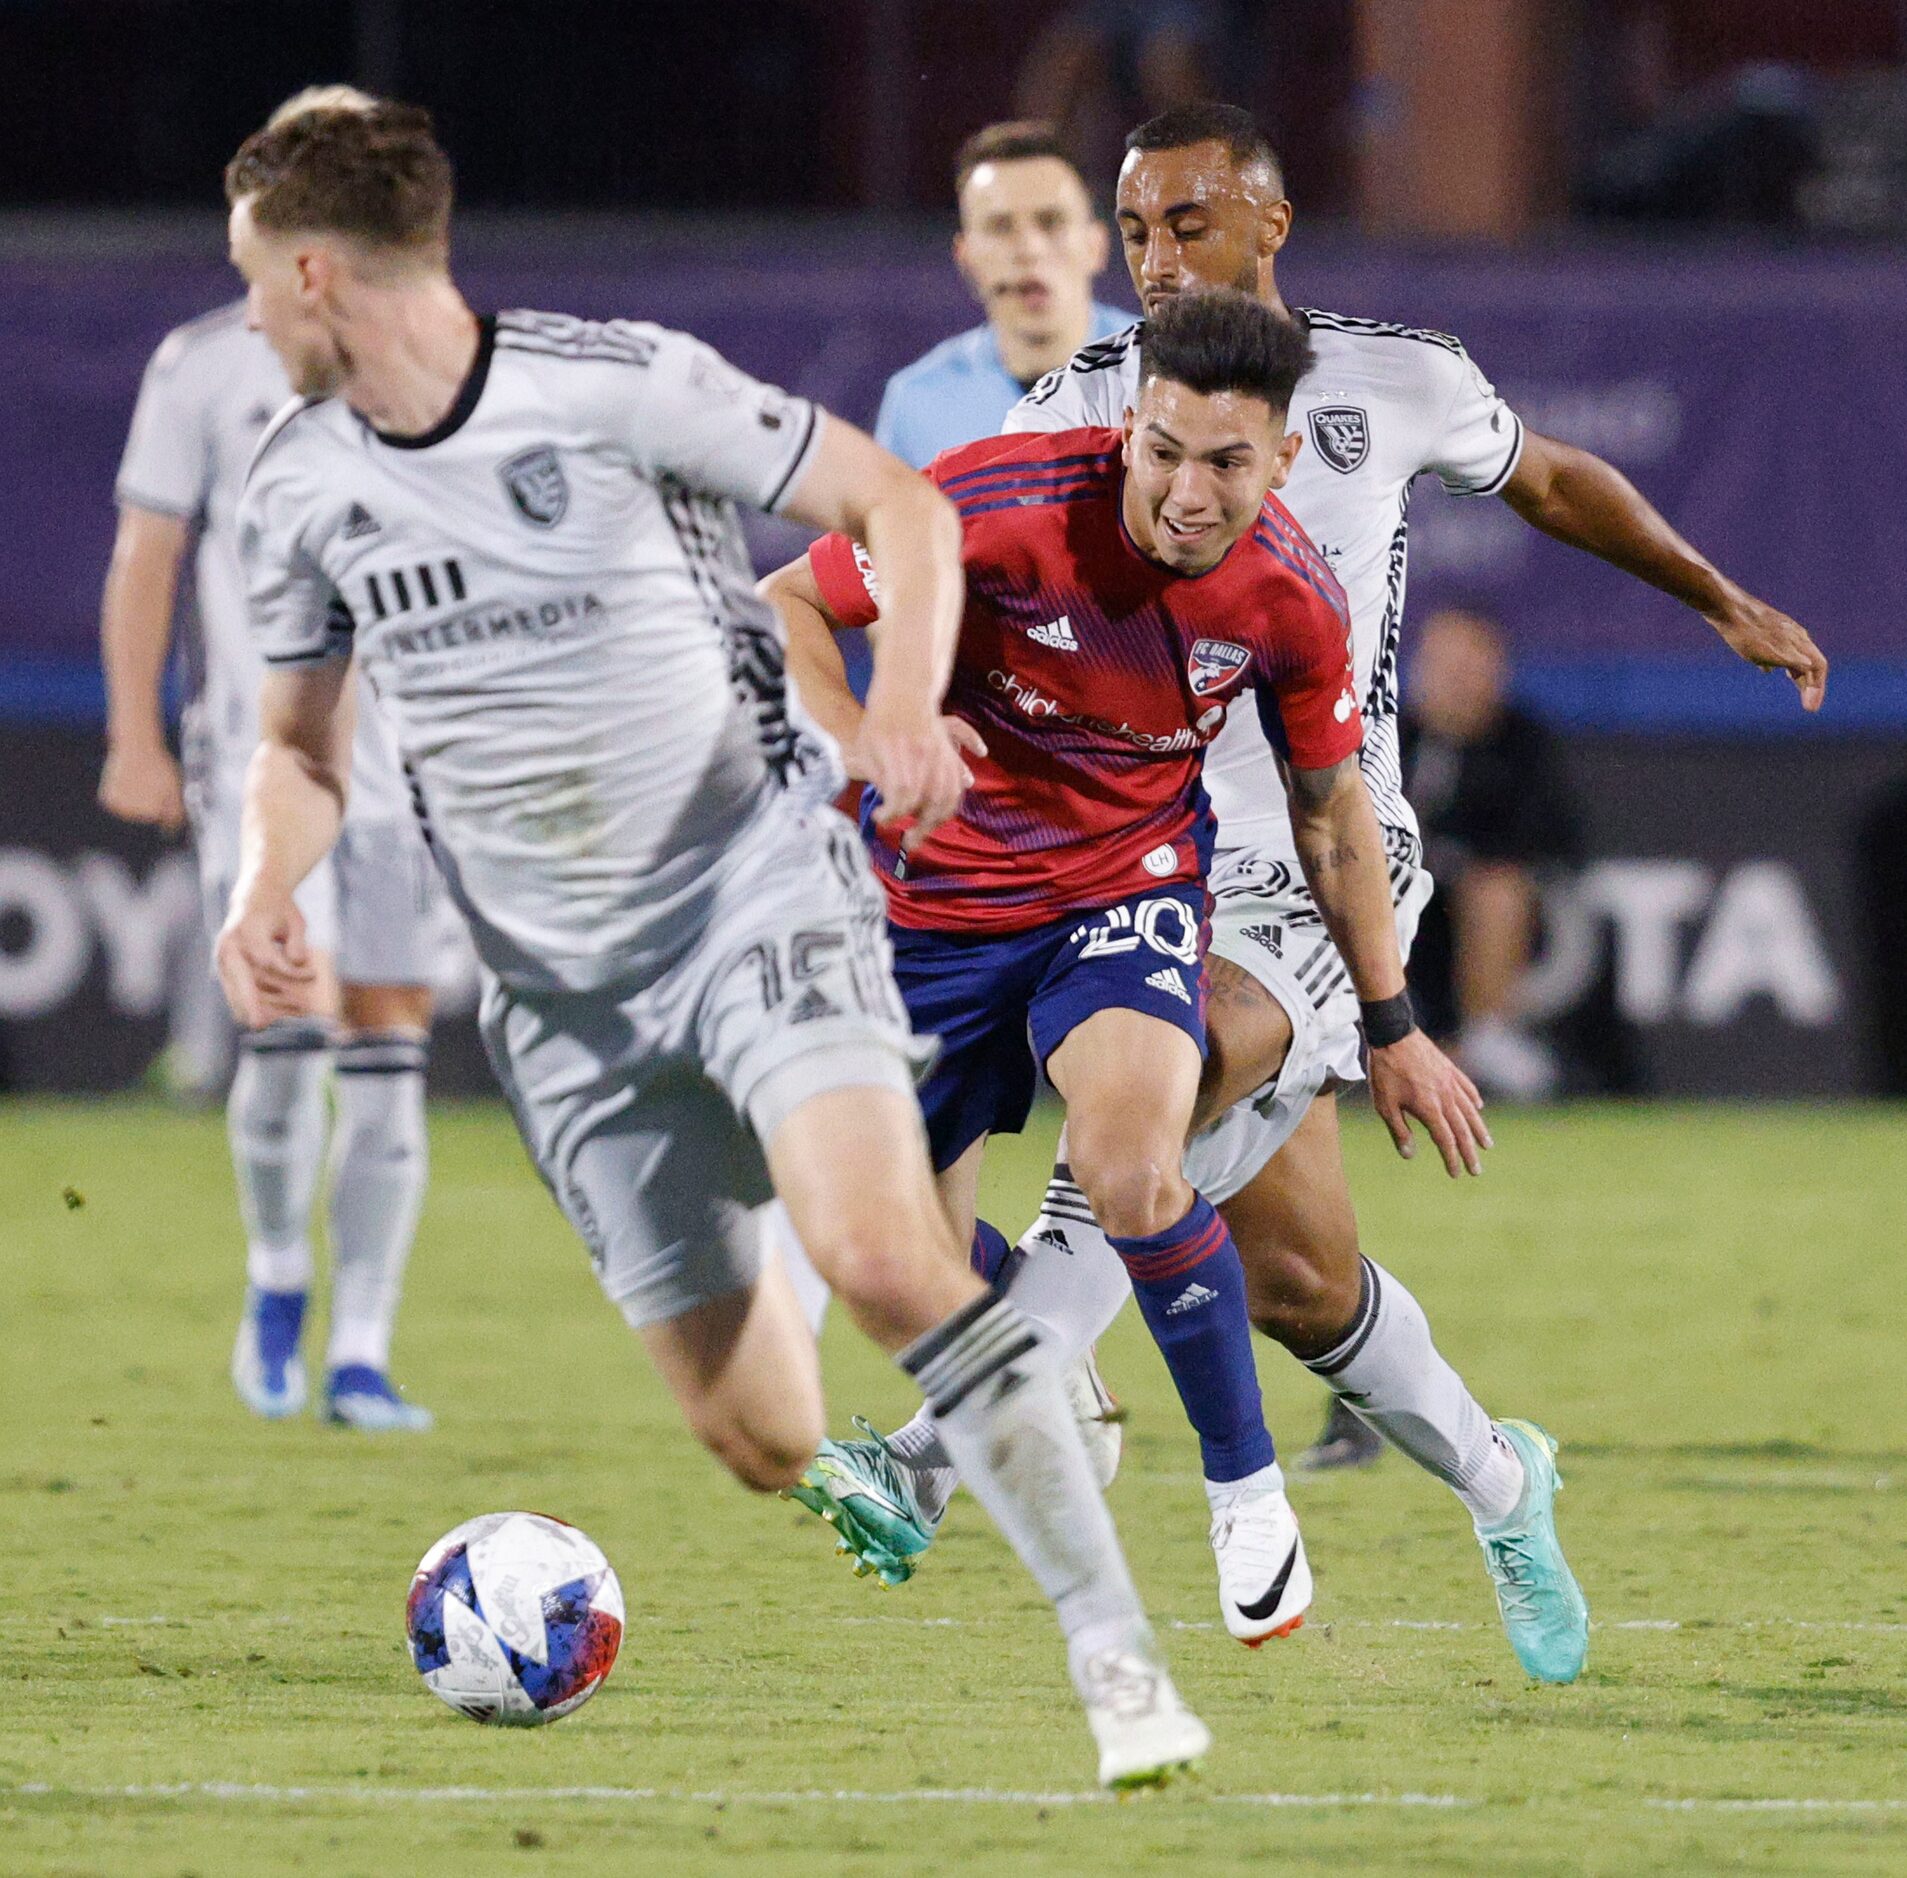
(1151, 182)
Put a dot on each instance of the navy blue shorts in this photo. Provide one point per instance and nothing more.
(1002, 1005)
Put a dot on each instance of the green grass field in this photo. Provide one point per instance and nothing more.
(202, 1665)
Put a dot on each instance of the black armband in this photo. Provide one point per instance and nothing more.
(1388, 1021)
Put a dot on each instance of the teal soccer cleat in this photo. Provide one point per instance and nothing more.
(1543, 1609)
(866, 1496)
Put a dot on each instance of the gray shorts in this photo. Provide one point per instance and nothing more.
(1265, 922)
(645, 1105)
(374, 903)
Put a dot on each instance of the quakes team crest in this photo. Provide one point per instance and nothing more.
(1213, 664)
(537, 485)
(1342, 434)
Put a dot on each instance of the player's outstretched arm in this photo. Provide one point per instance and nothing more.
(915, 589)
(294, 805)
(814, 660)
(821, 677)
(851, 486)
(140, 781)
(1580, 499)
(1342, 852)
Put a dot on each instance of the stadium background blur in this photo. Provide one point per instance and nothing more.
(1670, 230)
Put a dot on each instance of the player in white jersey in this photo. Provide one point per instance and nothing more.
(210, 390)
(1201, 205)
(687, 988)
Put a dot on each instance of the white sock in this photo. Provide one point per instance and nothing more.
(1268, 1479)
(918, 1448)
(380, 1160)
(1003, 1418)
(275, 1121)
(1072, 1283)
(1389, 1371)
(811, 1289)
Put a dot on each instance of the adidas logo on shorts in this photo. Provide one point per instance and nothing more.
(1169, 980)
(1190, 1299)
(813, 1003)
(1056, 633)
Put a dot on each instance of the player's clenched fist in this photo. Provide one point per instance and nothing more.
(143, 785)
(914, 759)
(264, 963)
(1413, 1078)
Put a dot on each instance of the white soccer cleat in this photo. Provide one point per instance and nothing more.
(1264, 1579)
(1099, 1417)
(1145, 1733)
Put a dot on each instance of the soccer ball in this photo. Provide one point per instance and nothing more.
(514, 1618)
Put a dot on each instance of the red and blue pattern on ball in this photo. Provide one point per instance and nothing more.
(583, 1640)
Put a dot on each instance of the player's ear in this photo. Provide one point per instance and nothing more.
(1098, 247)
(960, 261)
(1274, 226)
(1125, 436)
(317, 272)
(1286, 455)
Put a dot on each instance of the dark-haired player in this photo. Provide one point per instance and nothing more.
(1201, 205)
(1128, 590)
(687, 991)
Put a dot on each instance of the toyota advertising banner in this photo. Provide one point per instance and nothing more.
(1731, 916)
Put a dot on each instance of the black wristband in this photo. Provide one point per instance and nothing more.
(1388, 1021)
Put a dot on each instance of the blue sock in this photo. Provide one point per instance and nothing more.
(989, 1253)
(1191, 1291)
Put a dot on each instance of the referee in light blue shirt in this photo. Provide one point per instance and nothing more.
(1030, 247)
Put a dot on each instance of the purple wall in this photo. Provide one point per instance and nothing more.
(1761, 399)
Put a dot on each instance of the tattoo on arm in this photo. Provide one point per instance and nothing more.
(1340, 854)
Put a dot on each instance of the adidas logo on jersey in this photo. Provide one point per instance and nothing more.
(359, 522)
(1169, 980)
(1055, 633)
(1190, 1299)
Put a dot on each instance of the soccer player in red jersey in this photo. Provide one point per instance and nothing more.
(1125, 591)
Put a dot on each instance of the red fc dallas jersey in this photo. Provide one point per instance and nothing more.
(1098, 678)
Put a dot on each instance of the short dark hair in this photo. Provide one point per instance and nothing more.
(1011, 142)
(1225, 341)
(376, 176)
(1211, 122)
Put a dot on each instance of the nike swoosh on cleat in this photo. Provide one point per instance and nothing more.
(1264, 1606)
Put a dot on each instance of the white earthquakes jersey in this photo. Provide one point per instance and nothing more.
(209, 392)
(549, 594)
(1382, 405)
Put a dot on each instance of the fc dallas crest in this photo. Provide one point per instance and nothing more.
(1213, 665)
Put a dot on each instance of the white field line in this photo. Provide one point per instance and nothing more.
(239, 1792)
(223, 1790)
(1778, 1806)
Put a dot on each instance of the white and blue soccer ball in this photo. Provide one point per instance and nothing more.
(514, 1618)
